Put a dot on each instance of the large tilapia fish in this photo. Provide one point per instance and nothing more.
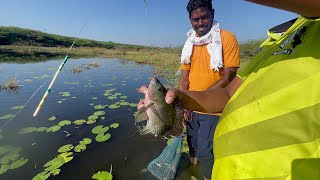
(162, 118)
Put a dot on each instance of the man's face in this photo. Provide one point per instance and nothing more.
(201, 20)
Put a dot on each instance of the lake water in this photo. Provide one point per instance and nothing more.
(74, 96)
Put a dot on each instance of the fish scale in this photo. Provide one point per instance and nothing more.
(162, 118)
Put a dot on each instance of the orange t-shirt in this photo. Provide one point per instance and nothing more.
(201, 77)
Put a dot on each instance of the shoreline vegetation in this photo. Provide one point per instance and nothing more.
(23, 45)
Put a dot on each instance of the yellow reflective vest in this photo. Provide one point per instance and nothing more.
(274, 116)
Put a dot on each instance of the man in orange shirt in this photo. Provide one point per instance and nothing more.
(209, 59)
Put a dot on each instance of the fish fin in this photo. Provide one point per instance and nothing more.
(141, 114)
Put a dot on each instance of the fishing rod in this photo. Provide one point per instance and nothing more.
(59, 70)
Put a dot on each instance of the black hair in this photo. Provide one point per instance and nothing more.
(195, 4)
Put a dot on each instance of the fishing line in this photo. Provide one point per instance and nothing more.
(60, 68)
(54, 77)
(5, 124)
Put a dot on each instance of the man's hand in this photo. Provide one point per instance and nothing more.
(171, 95)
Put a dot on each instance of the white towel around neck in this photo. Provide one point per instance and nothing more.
(214, 47)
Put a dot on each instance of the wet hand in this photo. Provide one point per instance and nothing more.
(144, 90)
(171, 95)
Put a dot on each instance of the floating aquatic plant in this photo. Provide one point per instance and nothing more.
(18, 163)
(65, 94)
(99, 113)
(8, 116)
(93, 117)
(17, 107)
(103, 137)
(102, 118)
(113, 106)
(4, 168)
(5, 149)
(42, 176)
(102, 175)
(80, 148)
(86, 141)
(65, 148)
(27, 130)
(94, 98)
(99, 129)
(92, 121)
(53, 128)
(64, 123)
(124, 103)
(52, 118)
(55, 172)
(41, 129)
(114, 125)
(12, 156)
(28, 80)
(91, 104)
(99, 106)
(79, 122)
(133, 104)
(123, 97)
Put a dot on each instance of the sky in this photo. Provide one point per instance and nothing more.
(161, 23)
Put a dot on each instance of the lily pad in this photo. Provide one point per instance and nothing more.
(56, 163)
(27, 130)
(64, 122)
(66, 156)
(65, 94)
(9, 158)
(102, 175)
(42, 176)
(91, 104)
(99, 129)
(86, 141)
(28, 80)
(52, 118)
(53, 128)
(5, 149)
(8, 116)
(100, 106)
(80, 148)
(94, 98)
(113, 106)
(114, 125)
(41, 129)
(124, 103)
(18, 163)
(55, 172)
(93, 117)
(123, 97)
(91, 121)
(99, 113)
(102, 118)
(4, 168)
(102, 137)
(133, 104)
(17, 107)
(65, 148)
(79, 122)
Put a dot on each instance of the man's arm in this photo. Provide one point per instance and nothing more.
(307, 8)
(209, 101)
(184, 80)
(228, 75)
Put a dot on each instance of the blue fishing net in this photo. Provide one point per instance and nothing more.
(165, 166)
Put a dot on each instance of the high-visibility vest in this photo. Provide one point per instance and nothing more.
(274, 116)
